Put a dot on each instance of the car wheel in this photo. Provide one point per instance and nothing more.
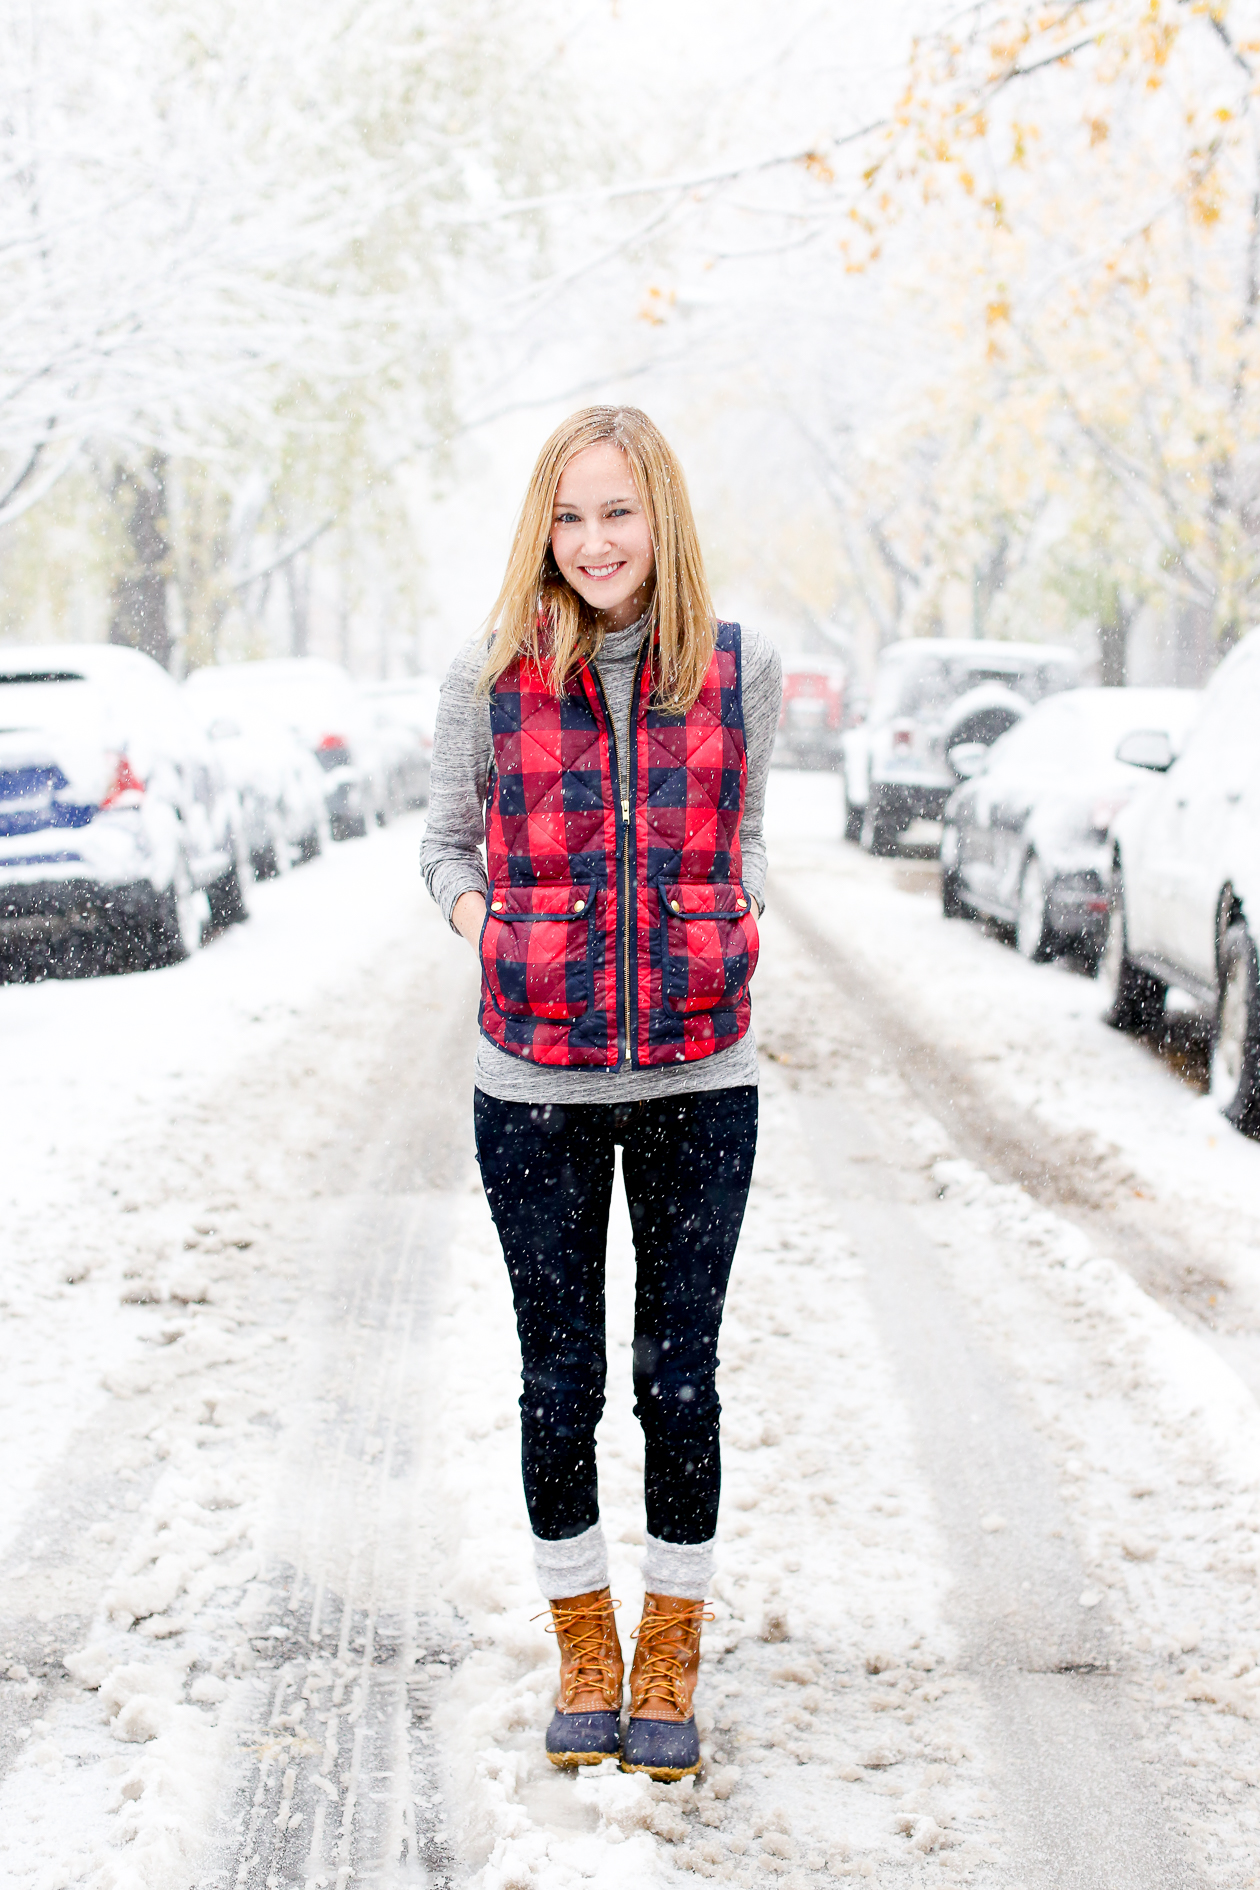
(953, 905)
(953, 899)
(181, 916)
(1034, 938)
(349, 827)
(229, 902)
(879, 834)
(273, 858)
(311, 845)
(1135, 998)
(852, 818)
(1235, 1072)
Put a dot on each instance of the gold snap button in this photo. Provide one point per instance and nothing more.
(496, 905)
(579, 905)
(674, 903)
(740, 904)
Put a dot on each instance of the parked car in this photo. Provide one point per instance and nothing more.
(406, 713)
(280, 784)
(932, 695)
(326, 708)
(120, 838)
(811, 715)
(1185, 883)
(1026, 839)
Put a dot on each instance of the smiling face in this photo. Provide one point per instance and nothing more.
(600, 537)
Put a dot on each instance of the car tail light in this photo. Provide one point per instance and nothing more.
(902, 735)
(333, 741)
(124, 782)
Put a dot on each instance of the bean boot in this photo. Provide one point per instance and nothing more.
(586, 1725)
(661, 1738)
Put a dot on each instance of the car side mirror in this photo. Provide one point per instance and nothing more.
(1147, 748)
(968, 759)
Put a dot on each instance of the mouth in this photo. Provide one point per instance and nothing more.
(600, 573)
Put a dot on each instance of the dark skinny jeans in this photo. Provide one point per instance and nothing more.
(548, 1170)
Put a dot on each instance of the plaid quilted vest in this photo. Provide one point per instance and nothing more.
(616, 934)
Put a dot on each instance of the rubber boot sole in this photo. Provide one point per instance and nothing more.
(665, 1774)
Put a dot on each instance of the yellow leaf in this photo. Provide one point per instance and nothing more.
(818, 167)
(656, 306)
(1205, 204)
(1098, 129)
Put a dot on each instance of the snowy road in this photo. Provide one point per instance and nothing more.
(987, 1609)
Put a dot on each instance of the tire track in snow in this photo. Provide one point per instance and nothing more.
(289, 1225)
(344, 1782)
(1156, 1240)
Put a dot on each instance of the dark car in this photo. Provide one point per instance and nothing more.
(931, 696)
(1026, 837)
(120, 837)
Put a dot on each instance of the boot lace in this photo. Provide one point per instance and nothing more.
(660, 1675)
(583, 1634)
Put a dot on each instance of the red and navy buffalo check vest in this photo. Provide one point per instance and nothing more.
(616, 935)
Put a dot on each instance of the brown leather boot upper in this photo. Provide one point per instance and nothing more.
(592, 1670)
(666, 1658)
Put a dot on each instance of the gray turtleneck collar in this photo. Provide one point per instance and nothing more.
(618, 644)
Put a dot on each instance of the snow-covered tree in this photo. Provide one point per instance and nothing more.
(238, 249)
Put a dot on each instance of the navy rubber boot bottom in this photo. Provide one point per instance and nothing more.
(664, 1748)
(583, 1738)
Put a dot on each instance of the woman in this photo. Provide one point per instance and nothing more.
(610, 748)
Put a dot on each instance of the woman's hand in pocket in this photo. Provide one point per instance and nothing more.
(468, 916)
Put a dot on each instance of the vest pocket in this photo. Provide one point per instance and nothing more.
(709, 945)
(536, 949)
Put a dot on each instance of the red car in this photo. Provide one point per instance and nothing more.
(812, 715)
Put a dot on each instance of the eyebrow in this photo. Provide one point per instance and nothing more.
(568, 504)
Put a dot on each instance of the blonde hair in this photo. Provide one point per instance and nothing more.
(538, 615)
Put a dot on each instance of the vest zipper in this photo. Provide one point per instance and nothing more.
(622, 802)
(627, 805)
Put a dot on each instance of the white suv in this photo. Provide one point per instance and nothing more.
(1185, 901)
(933, 694)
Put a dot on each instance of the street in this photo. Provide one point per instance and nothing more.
(986, 1609)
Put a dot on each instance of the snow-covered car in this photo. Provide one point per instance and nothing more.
(406, 712)
(120, 838)
(932, 695)
(1185, 882)
(811, 715)
(280, 784)
(1026, 838)
(329, 713)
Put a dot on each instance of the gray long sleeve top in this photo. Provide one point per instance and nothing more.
(452, 855)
